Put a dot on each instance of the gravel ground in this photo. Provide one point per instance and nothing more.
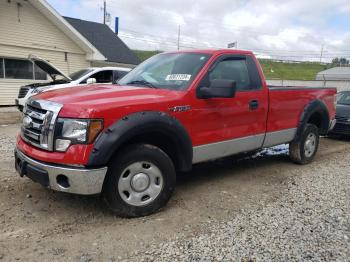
(7, 143)
(9, 115)
(310, 222)
(262, 208)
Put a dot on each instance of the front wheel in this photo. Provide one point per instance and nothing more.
(303, 150)
(140, 181)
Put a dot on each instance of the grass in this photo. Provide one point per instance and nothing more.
(272, 69)
(291, 71)
(143, 55)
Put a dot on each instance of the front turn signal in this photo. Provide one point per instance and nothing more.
(95, 128)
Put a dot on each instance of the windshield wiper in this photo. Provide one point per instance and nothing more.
(141, 82)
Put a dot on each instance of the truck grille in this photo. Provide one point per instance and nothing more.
(39, 117)
(23, 91)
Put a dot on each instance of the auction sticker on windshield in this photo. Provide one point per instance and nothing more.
(178, 77)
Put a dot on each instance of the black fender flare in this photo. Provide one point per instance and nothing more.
(136, 124)
(314, 107)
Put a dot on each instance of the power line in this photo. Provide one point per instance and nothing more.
(272, 54)
(280, 53)
(133, 32)
(161, 39)
(172, 45)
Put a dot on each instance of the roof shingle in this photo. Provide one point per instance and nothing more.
(105, 40)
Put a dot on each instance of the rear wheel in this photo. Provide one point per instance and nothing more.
(303, 150)
(140, 181)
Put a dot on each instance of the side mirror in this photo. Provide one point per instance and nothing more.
(219, 88)
(90, 81)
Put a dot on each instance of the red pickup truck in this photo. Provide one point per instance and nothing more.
(176, 109)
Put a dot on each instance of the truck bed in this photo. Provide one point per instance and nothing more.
(286, 104)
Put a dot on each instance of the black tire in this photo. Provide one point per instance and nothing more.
(297, 148)
(136, 154)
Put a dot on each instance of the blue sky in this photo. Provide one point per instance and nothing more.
(270, 27)
(339, 22)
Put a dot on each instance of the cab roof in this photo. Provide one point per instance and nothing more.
(215, 51)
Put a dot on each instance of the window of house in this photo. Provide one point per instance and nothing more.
(1, 68)
(18, 69)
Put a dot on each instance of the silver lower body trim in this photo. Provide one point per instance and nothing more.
(226, 148)
(240, 145)
(81, 181)
(279, 137)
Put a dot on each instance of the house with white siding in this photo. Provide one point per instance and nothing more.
(33, 27)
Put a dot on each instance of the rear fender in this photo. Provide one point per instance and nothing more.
(316, 112)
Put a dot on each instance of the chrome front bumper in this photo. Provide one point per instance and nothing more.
(66, 179)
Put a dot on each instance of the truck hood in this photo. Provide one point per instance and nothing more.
(50, 69)
(93, 99)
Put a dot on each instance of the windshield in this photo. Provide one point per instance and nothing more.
(343, 98)
(174, 71)
(78, 74)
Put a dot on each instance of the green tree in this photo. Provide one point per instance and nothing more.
(339, 61)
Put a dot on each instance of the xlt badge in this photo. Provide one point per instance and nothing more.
(179, 108)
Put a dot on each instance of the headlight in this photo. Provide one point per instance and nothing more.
(76, 131)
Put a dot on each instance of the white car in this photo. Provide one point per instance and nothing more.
(105, 75)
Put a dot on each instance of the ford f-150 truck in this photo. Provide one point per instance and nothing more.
(127, 141)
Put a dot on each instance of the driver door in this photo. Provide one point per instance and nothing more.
(225, 126)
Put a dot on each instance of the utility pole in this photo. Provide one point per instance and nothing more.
(321, 53)
(178, 38)
(104, 12)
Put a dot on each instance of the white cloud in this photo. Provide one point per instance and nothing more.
(283, 28)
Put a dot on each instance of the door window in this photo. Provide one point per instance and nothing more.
(102, 77)
(120, 74)
(78, 74)
(231, 69)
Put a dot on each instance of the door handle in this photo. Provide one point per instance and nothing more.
(253, 104)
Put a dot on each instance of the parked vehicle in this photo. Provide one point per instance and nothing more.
(172, 111)
(105, 75)
(342, 115)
